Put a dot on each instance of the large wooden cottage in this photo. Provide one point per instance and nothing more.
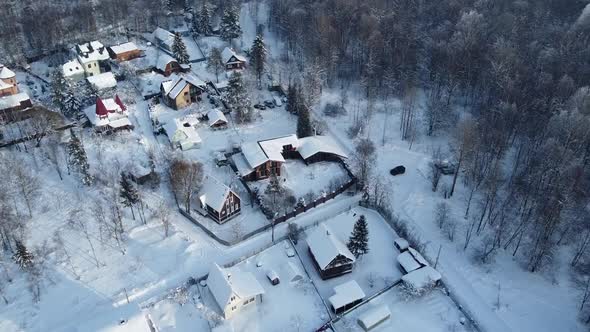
(330, 256)
(181, 91)
(232, 60)
(218, 200)
(124, 52)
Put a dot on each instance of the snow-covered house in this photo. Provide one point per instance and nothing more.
(181, 91)
(73, 70)
(102, 81)
(346, 296)
(166, 65)
(124, 52)
(262, 159)
(216, 119)
(163, 38)
(331, 257)
(411, 260)
(422, 278)
(14, 103)
(233, 290)
(7, 81)
(320, 148)
(183, 134)
(94, 57)
(374, 317)
(218, 200)
(232, 60)
(109, 115)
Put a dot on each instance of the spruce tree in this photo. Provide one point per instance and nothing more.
(59, 88)
(78, 160)
(128, 193)
(179, 50)
(237, 98)
(22, 256)
(215, 62)
(258, 54)
(204, 20)
(358, 243)
(71, 107)
(304, 128)
(230, 24)
(292, 99)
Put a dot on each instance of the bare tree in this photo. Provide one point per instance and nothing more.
(186, 178)
(364, 160)
(78, 222)
(462, 143)
(162, 213)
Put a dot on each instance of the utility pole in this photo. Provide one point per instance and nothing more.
(437, 256)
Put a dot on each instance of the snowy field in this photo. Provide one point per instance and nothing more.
(433, 312)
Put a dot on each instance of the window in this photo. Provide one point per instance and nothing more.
(89, 65)
(233, 308)
(236, 207)
(233, 298)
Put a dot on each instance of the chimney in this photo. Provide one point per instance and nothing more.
(228, 276)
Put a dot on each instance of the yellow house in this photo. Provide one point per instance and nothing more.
(179, 92)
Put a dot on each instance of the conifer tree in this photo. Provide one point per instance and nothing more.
(59, 88)
(128, 193)
(71, 105)
(22, 256)
(292, 99)
(258, 54)
(204, 20)
(215, 62)
(179, 50)
(358, 243)
(78, 160)
(304, 127)
(237, 98)
(230, 24)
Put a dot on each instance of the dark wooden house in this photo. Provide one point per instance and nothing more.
(330, 256)
(218, 200)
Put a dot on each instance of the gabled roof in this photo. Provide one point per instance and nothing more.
(103, 80)
(174, 86)
(163, 60)
(273, 148)
(225, 283)
(123, 48)
(6, 73)
(309, 146)
(228, 53)
(175, 126)
(215, 117)
(346, 293)
(411, 260)
(214, 193)
(164, 36)
(325, 246)
(422, 277)
(13, 100)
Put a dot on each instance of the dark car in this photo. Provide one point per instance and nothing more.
(397, 170)
(269, 104)
(257, 106)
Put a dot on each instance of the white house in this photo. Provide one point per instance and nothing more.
(91, 55)
(233, 290)
(73, 70)
(232, 60)
(183, 134)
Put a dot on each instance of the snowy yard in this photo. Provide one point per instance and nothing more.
(433, 312)
(302, 179)
(375, 270)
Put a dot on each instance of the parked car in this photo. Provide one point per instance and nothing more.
(445, 166)
(401, 244)
(397, 170)
(277, 101)
(257, 106)
(269, 104)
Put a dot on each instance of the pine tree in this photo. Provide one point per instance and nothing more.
(292, 99)
(59, 88)
(304, 128)
(215, 62)
(179, 50)
(71, 106)
(22, 256)
(128, 193)
(358, 243)
(78, 160)
(204, 20)
(258, 54)
(230, 24)
(237, 98)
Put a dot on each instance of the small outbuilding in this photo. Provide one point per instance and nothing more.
(273, 277)
(216, 119)
(401, 244)
(124, 52)
(374, 317)
(421, 279)
(293, 272)
(411, 260)
(346, 296)
(183, 134)
(232, 60)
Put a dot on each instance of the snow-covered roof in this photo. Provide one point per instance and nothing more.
(325, 246)
(422, 278)
(225, 283)
(125, 47)
(179, 133)
(411, 260)
(228, 53)
(216, 117)
(214, 193)
(119, 123)
(293, 271)
(72, 67)
(401, 243)
(95, 45)
(4, 85)
(308, 146)
(115, 117)
(13, 100)
(174, 86)
(164, 36)
(254, 154)
(242, 164)
(163, 60)
(111, 105)
(346, 293)
(273, 148)
(93, 51)
(103, 81)
(374, 316)
(6, 73)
